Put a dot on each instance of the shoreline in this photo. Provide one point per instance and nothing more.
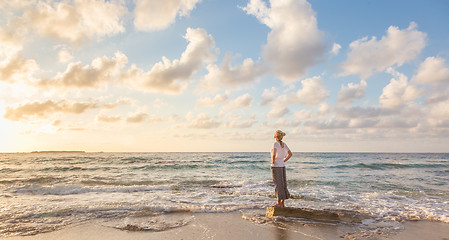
(206, 152)
(231, 225)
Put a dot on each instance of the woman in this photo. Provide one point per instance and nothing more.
(279, 155)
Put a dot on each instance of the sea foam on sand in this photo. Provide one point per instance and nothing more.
(230, 226)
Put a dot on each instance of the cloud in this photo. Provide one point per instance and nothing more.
(277, 112)
(137, 118)
(102, 70)
(364, 112)
(118, 102)
(133, 118)
(43, 109)
(304, 114)
(14, 4)
(56, 123)
(17, 69)
(203, 121)
(154, 119)
(349, 93)
(398, 91)
(212, 102)
(64, 56)
(13, 67)
(108, 119)
(434, 74)
(244, 101)
(10, 42)
(237, 121)
(268, 96)
(171, 76)
(232, 77)
(312, 93)
(440, 110)
(279, 106)
(77, 23)
(295, 43)
(49, 107)
(432, 70)
(336, 49)
(153, 15)
(332, 123)
(395, 48)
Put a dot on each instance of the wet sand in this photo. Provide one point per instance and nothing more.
(231, 226)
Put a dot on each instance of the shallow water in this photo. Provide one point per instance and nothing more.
(42, 192)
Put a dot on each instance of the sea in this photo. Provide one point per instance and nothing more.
(42, 192)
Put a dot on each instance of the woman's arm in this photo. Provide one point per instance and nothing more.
(288, 156)
(273, 155)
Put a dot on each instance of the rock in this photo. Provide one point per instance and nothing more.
(327, 215)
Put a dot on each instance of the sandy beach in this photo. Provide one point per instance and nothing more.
(232, 226)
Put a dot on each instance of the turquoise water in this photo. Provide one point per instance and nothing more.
(41, 192)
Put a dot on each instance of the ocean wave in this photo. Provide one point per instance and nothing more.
(385, 166)
(31, 189)
(93, 182)
(39, 180)
(10, 170)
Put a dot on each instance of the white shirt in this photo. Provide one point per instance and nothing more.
(281, 154)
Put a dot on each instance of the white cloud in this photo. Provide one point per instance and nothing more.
(212, 102)
(295, 43)
(279, 106)
(268, 96)
(203, 121)
(232, 77)
(312, 93)
(120, 101)
(156, 14)
(13, 67)
(440, 110)
(434, 73)
(304, 114)
(349, 93)
(76, 23)
(101, 70)
(137, 118)
(395, 48)
(277, 112)
(332, 123)
(432, 70)
(336, 49)
(154, 118)
(158, 103)
(64, 56)
(171, 76)
(398, 91)
(43, 109)
(15, 4)
(17, 69)
(244, 101)
(10, 43)
(108, 119)
(364, 112)
(238, 121)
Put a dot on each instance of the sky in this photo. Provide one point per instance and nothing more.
(223, 76)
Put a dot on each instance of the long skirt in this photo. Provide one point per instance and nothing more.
(280, 182)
